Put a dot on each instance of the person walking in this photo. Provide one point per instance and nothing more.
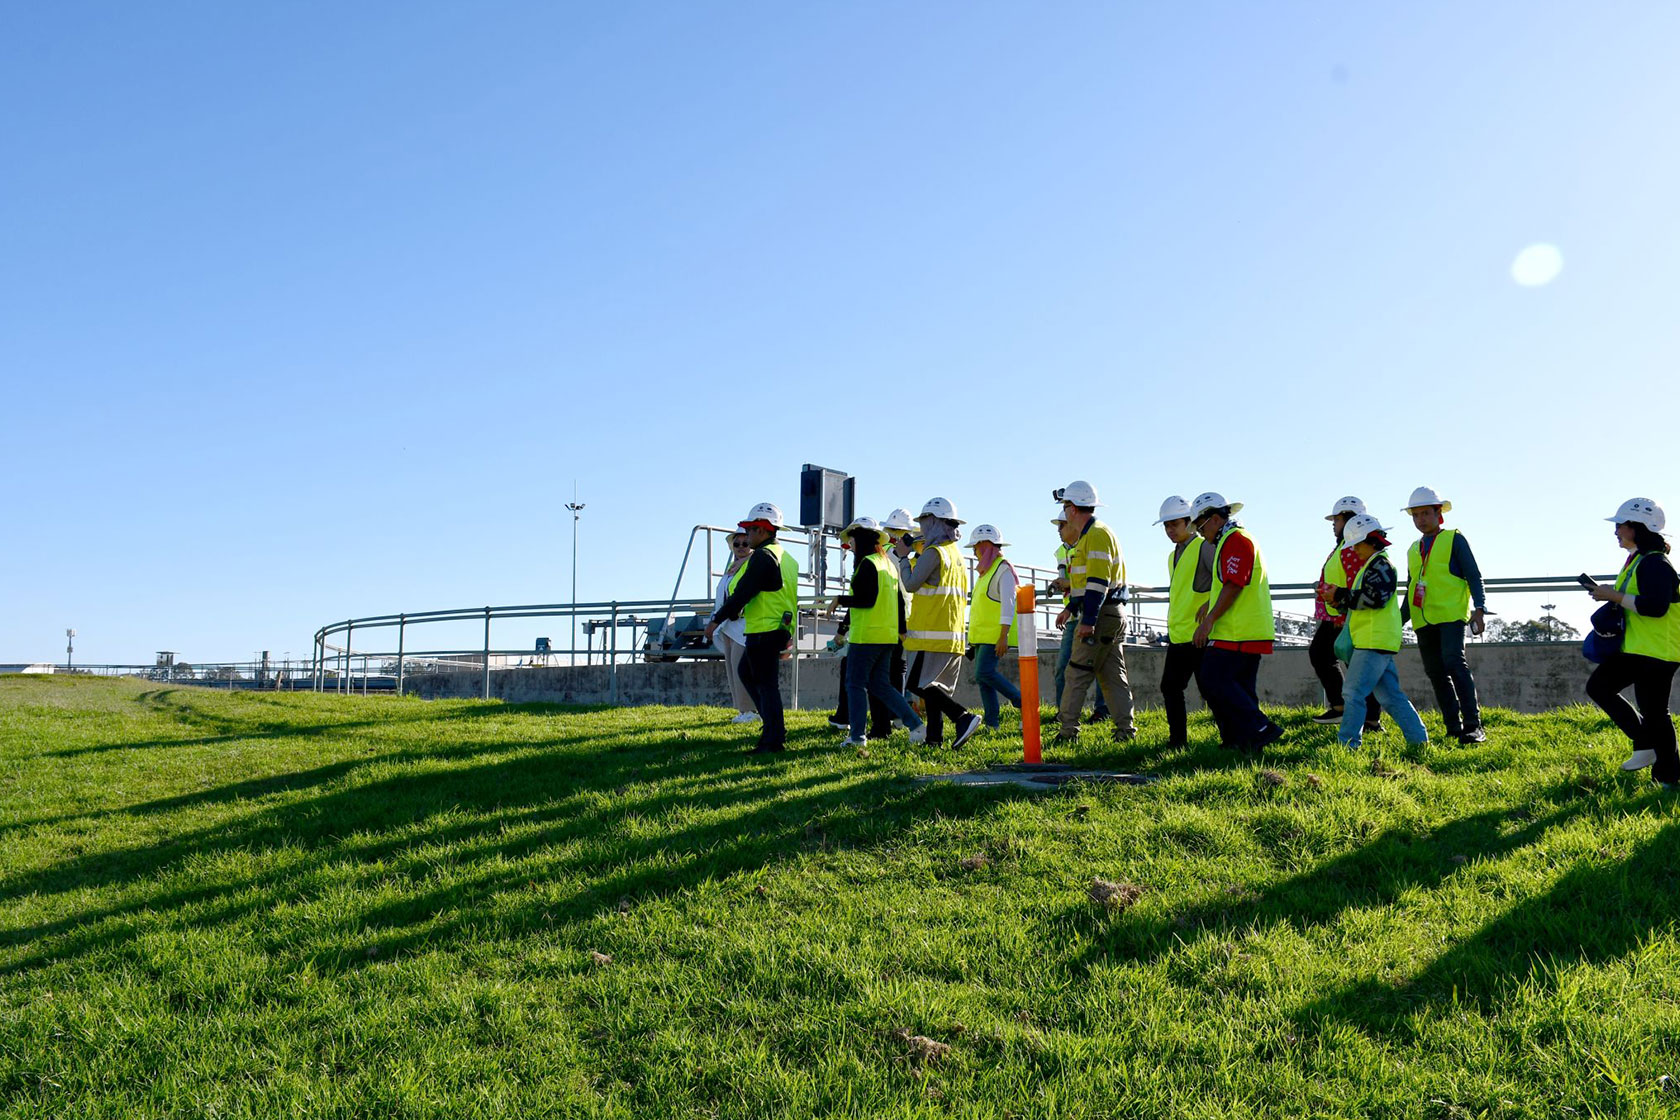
(1339, 569)
(1064, 620)
(934, 638)
(1646, 590)
(877, 625)
(1097, 582)
(1238, 628)
(1372, 609)
(991, 621)
(1189, 579)
(1443, 582)
(732, 635)
(766, 599)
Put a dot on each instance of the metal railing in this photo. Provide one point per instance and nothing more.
(338, 666)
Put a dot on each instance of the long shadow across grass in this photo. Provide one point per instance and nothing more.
(563, 809)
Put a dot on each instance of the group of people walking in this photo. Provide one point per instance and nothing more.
(912, 617)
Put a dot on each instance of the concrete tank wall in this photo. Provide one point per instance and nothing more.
(1526, 677)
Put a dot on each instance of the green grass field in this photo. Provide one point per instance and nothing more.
(296, 905)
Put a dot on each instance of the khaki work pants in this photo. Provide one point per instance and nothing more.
(1104, 662)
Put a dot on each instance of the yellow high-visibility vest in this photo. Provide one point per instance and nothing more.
(938, 611)
(1249, 619)
(765, 610)
(985, 614)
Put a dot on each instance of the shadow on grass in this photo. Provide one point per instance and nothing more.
(1374, 874)
(1595, 913)
(628, 820)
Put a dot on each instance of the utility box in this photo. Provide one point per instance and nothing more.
(827, 498)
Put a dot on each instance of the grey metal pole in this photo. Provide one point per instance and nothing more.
(486, 653)
(402, 627)
(346, 684)
(612, 671)
(795, 704)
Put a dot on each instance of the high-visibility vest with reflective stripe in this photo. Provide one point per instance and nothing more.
(1648, 637)
(1183, 600)
(985, 614)
(878, 625)
(938, 611)
(764, 611)
(1375, 629)
(1336, 576)
(1250, 617)
(1446, 597)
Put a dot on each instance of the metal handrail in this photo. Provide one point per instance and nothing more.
(616, 614)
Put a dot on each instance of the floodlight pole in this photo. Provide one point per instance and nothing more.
(69, 650)
(577, 508)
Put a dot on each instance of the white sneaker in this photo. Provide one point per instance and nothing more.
(1638, 760)
(854, 741)
(918, 735)
(745, 717)
(838, 726)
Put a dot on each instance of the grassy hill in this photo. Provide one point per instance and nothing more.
(297, 905)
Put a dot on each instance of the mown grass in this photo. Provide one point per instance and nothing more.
(263, 905)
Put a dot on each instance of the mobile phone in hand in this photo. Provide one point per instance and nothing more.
(1586, 581)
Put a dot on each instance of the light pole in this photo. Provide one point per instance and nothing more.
(577, 508)
(1551, 623)
(69, 650)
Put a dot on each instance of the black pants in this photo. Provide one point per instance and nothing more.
(1230, 683)
(1182, 660)
(761, 673)
(1321, 653)
(880, 718)
(939, 705)
(1441, 645)
(1650, 728)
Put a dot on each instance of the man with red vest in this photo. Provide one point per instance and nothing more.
(1237, 630)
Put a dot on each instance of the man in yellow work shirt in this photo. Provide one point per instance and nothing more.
(1097, 583)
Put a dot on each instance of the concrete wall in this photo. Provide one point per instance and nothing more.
(1527, 677)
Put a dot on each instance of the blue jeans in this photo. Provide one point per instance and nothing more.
(869, 673)
(1062, 658)
(991, 683)
(1372, 673)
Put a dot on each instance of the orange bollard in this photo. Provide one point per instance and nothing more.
(1026, 599)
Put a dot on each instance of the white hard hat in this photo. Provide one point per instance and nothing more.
(1080, 493)
(1211, 499)
(1361, 526)
(1644, 511)
(900, 520)
(763, 511)
(986, 533)
(1425, 496)
(1349, 504)
(869, 523)
(941, 508)
(1058, 520)
(1172, 509)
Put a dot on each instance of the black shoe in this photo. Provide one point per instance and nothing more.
(1095, 717)
(1473, 735)
(1373, 728)
(767, 748)
(1329, 715)
(1266, 738)
(1174, 744)
(966, 729)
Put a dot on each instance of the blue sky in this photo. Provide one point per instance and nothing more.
(310, 311)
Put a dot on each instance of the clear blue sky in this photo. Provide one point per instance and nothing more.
(316, 310)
